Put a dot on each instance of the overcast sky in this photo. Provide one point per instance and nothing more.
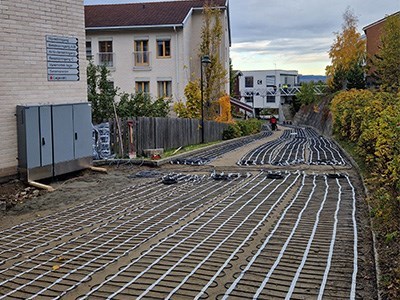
(290, 34)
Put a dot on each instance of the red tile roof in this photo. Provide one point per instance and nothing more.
(142, 14)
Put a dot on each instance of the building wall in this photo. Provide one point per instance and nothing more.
(261, 85)
(23, 80)
(183, 66)
(124, 74)
(373, 34)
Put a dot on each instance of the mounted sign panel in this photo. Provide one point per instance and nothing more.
(62, 58)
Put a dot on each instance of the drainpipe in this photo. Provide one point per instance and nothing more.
(177, 79)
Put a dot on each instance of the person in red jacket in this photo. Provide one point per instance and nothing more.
(273, 121)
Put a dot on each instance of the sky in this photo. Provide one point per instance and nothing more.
(290, 34)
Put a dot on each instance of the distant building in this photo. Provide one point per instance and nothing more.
(152, 47)
(272, 89)
(373, 34)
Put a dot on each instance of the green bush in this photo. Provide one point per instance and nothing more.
(251, 126)
(242, 128)
(371, 122)
(233, 131)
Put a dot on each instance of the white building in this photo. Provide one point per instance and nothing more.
(34, 65)
(152, 47)
(268, 89)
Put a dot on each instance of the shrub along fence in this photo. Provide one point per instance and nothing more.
(140, 133)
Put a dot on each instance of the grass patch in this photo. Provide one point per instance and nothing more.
(188, 148)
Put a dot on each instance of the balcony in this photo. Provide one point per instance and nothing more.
(107, 59)
(141, 60)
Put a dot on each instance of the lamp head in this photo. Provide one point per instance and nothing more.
(205, 59)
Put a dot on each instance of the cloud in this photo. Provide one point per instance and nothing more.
(293, 33)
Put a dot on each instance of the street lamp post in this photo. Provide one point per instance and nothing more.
(205, 59)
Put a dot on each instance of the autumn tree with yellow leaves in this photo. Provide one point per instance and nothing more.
(215, 74)
(347, 56)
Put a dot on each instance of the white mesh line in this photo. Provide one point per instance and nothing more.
(253, 259)
(284, 247)
(223, 241)
(332, 244)
(310, 241)
(82, 245)
(203, 290)
(159, 243)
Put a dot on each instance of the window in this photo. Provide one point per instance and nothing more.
(248, 81)
(142, 87)
(270, 99)
(163, 48)
(106, 55)
(270, 81)
(141, 53)
(248, 99)
(89, 55)
(164, 89)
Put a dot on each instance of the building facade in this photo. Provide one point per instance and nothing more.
(34, 67)
(373, 34)
(152, 47)
(268, 89)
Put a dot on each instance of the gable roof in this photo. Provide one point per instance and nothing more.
(150, 14)
(380, 21)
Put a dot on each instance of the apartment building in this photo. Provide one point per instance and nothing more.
(152, 47)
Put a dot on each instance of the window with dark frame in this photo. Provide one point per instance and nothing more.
(163, 48)
(249, 81)
(141, 52)
(89, 54)
(106, 55)
(142, 86)
(164, 89)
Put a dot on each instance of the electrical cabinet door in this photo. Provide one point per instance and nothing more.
(46, 137)
(63, 133)
(82, 130)
(29, 122)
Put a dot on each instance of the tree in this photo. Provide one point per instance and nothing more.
(307, 95)
(225, 115)
(387, 60)
(101, 93)
(192, 108)
(347, 55)
(141, 104)
(215, 73)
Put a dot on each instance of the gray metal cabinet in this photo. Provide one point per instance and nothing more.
(53, 139)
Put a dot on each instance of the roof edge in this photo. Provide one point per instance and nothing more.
(380, 20)
(133, 27)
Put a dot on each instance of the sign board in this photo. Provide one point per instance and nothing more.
(62, 58)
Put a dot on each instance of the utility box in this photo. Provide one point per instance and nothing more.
(53, 139)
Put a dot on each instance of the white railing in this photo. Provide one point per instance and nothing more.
(141, 59)
(282, 91)
(107, 59)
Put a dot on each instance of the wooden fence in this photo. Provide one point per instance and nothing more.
(142, 133)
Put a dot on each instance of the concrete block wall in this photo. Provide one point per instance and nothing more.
(23, 75)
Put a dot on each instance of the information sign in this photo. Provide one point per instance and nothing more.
(62, 58)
